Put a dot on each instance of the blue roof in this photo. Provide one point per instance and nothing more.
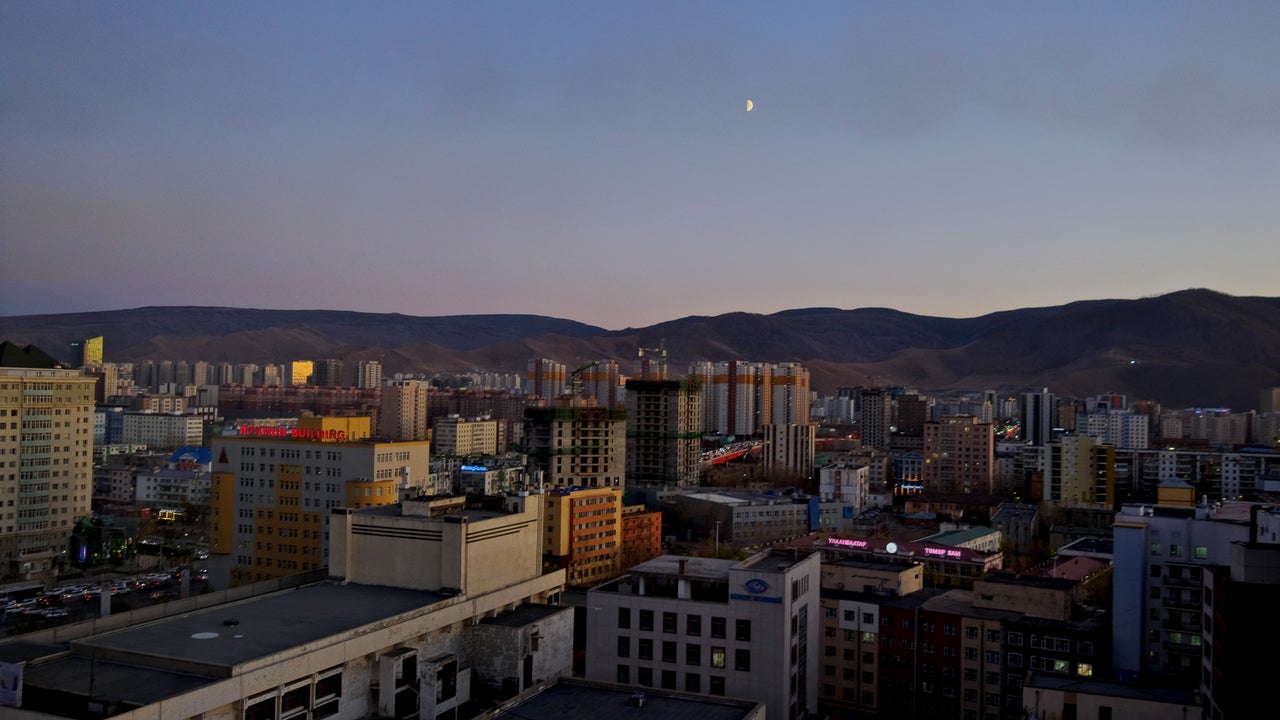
(192, 453)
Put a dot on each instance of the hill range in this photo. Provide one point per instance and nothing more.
(1194, 348)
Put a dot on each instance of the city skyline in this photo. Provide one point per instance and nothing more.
(599, 163)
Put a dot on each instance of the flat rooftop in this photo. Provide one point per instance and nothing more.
(147, 663)
(525, 614)
(699, 567)
(576, 699)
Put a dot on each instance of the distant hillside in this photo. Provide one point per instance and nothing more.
(1191, 348)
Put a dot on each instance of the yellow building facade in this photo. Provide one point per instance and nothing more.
(584, 533)
(273, 490)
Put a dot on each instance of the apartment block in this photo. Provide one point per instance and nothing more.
(46, 454)
(663, 432)
(584, 534)
(402, 415)
(740, 629)
(463, 437)
(576, 446)
(959, 455)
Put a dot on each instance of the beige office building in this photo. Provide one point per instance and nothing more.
(458, 436)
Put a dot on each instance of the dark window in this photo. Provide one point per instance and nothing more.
(693, 625)
(717, 627)
(646, 620)
(670, 622)
(668, 679)
(624, 646)
(743, 631)
(624, 674)
(624, 617)
(645, 676)
(266, 709)
(742, 659)
(668, 651)
(717, 685)
(693, 654)
(692, 683)
(646, 649)
(447, 681)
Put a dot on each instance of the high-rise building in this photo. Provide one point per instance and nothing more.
(1036, 411)
(47, 481)
(959, 455)
(403, 411)
(87, 353)
(300, 372)
(602, 382)
(790, 448)
(663, 432)
(545, 378)
(790, 404)
(272, 375)
(1269, 400)
(737, 396)
(369, 374)
(1080, 470)
(327, 373)
(577, 446)
(913, 412)
(273, 490)
(875, 416)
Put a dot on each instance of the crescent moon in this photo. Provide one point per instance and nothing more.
(750, 105)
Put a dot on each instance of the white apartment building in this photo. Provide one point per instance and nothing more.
(162, 431)
(1120, 428)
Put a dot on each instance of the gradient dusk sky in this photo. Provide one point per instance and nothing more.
(595, 160)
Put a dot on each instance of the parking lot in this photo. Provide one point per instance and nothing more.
(82, 599)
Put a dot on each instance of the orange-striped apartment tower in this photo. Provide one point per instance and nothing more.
(739, 393)
(584, 533)
(790, 395)
(273, 489)
(603, 382)
(545, 378)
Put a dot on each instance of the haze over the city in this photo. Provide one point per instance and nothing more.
(598, 161)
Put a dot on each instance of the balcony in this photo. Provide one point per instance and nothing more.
(1183, 600)
(1181, 621)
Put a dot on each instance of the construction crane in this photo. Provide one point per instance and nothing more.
(660, 352)
(575, 382)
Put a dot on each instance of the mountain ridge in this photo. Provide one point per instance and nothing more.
(1188, 348)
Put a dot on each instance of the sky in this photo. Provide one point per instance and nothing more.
(596, 161)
